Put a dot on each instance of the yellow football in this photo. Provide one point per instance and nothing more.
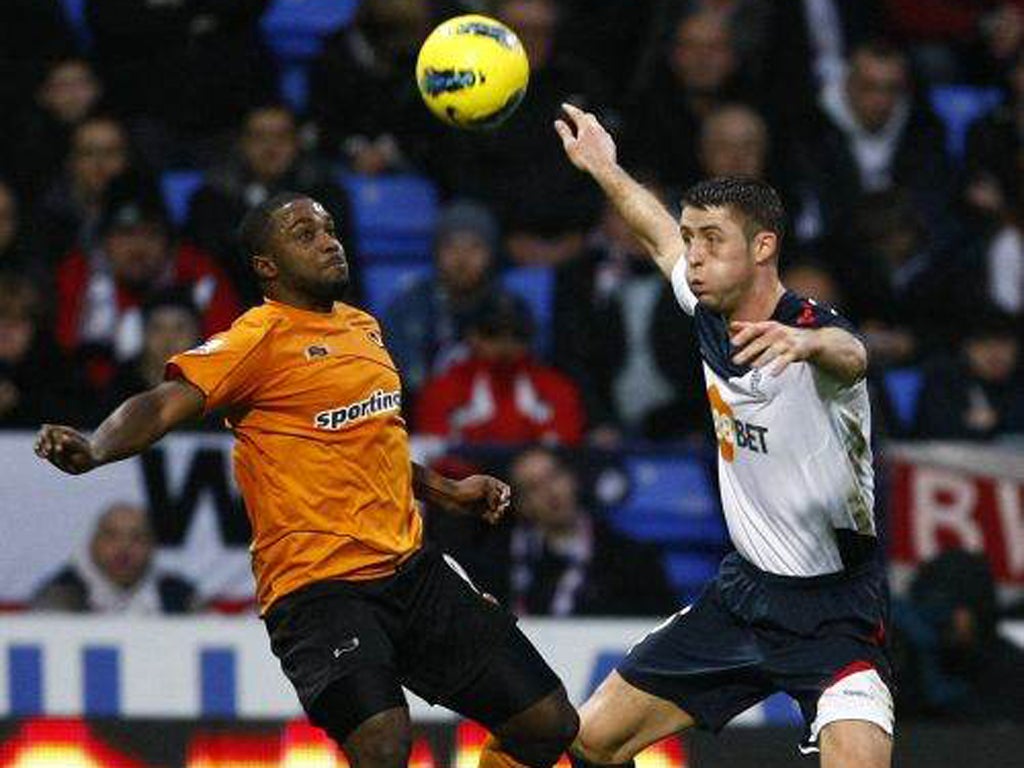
(472, 71)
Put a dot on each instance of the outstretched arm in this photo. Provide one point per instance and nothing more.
(480, 495)
(591, 149)
(834, 350)
(134, 426)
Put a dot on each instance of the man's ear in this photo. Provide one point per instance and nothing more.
(766, 246)
(264, 267)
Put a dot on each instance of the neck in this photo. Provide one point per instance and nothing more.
(759, 302)
(292, 298)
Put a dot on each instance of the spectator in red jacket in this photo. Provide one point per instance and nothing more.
(501, 394)
(100, 292)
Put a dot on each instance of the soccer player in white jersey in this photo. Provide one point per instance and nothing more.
(801, 605)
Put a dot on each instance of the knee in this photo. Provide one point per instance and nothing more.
(849, 744)
(386, 751)
(542, 738)
(595, 748)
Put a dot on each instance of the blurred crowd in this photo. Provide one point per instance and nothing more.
(906, 219)
(894, 130)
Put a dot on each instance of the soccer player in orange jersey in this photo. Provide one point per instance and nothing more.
(355, 603)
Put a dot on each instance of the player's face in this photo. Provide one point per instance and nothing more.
(720, 263)
(306, 253)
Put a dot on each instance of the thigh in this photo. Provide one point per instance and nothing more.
(516, 678)
(351, 706)
(703, 660)
(855, 744)
(619, 720)
(327, 636)
(451, 631)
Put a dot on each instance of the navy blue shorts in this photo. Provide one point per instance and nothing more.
(751, 634)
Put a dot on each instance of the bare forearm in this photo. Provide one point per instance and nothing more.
(432, 488)
(840, 354)
(142, 420)
(648, 219)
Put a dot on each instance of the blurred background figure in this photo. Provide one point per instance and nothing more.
(563, 560)
(618, 334)
(979, 393)
(371, 57)
(267, 160)
(426, 325)
(501, 394)
(100, 291)
(29, 389)
(115, 573)
(68, 213)
(954, 665)
(544, 206)
(171, 323)
(184, 70)
(876, 134)
(700, 71)
(69, 93)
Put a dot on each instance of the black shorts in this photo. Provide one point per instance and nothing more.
(751, 634)
(425, 627)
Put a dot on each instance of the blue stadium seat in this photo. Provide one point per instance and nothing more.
(178, 188)
(295, 29)
(383, 283)
(958, 106)
(536, 286)
(671, 499)
(74, 14)
(394, 215)
(903, 388)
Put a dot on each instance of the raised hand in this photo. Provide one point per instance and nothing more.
(589, 146)
(66, 448)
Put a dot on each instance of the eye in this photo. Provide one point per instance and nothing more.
(306, 235)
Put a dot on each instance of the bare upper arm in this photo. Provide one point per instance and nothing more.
(178, 402)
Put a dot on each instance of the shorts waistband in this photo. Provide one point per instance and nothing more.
(803, 582)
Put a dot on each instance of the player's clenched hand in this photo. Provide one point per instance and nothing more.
(485, 496)
(771, 344)
(589, 146)
(66, 448)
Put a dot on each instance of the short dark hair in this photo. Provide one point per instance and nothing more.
(756, 200)
(257, 225)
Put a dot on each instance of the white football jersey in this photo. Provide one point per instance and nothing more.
(794, 451)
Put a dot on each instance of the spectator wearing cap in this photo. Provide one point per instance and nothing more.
(501, 394)
(100, 292)
(426, 324)
(267, 160)
(979, 395)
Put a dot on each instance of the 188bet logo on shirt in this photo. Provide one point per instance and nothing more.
(730, 432)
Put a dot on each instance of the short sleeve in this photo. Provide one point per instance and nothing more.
(225, 366)
(681, 288)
